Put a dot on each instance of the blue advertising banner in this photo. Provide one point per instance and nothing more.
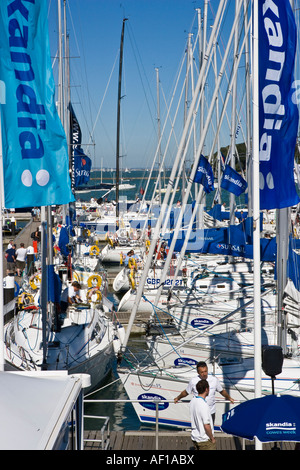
(35, 152)
(233, 182)
(278, 121)
(204, 175)
(82, 165)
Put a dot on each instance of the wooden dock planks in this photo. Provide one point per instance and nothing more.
(177, 440)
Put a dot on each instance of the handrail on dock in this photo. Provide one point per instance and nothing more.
(104, 431)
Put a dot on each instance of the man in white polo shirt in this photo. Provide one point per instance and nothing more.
(214, 386)
(202, 434)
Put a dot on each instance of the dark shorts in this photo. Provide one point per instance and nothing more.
(20, 264)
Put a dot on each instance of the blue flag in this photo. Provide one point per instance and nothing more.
(82, 167)
(233, 182)
(35, 152)
(63, 241)
(81, 164)
(278, 112)
(204, 175)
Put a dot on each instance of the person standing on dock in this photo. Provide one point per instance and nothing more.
(214, 386)
(36, 239)
(202, 434)
(21, 259)
(10, 256)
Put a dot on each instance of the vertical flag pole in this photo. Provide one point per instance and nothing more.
(256, 216)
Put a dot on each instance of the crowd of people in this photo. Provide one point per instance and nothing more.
(16, 258)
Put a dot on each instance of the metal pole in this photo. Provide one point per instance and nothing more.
(118, 121)
(156, 424)
(256, 216)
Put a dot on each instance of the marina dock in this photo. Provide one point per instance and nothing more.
(175, 440)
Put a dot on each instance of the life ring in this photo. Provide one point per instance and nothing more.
(76, 276)
(94, 281)
(35, 281)
(86, 233)
(94, 250)
(94, 291)
(109, 240)
(25, 299)
(132, 263)
(123, 233)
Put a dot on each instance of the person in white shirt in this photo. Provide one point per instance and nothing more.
(214, 386)
(202, 434)
(20, 259)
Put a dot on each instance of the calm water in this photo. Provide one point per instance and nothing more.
(139, 179)
(122, 415)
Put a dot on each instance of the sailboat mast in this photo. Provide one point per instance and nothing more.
(118, 120)
(158, 135)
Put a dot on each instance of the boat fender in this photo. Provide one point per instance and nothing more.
(116, 345)
(131, 279)
(132, 263)
(17, 289)
(121, 258)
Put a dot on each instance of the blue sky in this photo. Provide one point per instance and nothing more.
(155, 36)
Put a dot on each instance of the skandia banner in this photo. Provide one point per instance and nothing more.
(278, 121)
(233, 182)
(35, 153)
(204, 175)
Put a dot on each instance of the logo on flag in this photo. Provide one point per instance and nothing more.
(233, 182)
(278, 115)
(204, 175)
(34, 145)
(82, 167)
